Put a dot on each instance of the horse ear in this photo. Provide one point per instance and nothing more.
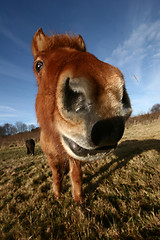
(40, 42)
(81, 43)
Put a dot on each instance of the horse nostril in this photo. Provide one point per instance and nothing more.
(107, 132)
(74, 99)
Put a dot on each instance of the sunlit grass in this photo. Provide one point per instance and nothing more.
(121, 192)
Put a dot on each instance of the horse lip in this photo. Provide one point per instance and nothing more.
(83, 152)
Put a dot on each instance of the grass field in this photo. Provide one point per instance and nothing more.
(122, 193)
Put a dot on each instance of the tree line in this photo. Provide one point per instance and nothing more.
(18, 127)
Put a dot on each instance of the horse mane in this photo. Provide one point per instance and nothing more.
(67, 41)
(42, 42)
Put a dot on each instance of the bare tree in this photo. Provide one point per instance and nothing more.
(31, 126)
(155, 108)
(7, 128)
(24, 127)
(10, 129)
(2, 131)
(13, 129)
(21, 127)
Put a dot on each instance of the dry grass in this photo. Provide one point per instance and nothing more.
(122, 193)
(144, 118)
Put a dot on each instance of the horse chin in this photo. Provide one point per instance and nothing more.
(84, 154)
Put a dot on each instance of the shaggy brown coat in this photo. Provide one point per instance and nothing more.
(81, 105)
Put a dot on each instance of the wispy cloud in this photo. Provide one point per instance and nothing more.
(12, 37)
(6, 108)
(142, 43)
(12, 70)
(7, 113)
(12, 115)
(139, 56)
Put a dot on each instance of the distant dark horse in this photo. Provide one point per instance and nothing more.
(30, 145)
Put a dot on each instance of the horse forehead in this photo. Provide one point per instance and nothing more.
(93, 69)
(73, 58)
(83, 64)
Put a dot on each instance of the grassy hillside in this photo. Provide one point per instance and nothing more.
(19, 139)
(122, 193)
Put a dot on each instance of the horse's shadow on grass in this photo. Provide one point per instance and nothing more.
(124, 153)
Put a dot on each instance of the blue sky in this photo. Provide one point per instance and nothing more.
(125, 33)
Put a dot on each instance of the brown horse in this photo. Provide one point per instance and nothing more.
(30, 145)
(81, 106)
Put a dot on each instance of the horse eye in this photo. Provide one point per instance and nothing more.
(39, 66)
